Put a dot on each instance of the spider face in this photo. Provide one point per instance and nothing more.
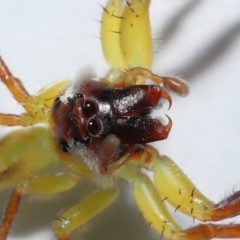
(97, 123)
(79, 116)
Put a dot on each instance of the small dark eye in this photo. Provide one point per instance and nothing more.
(94, 127)
(57, 104)
(90, 107)
(64, 146)
(79, 95)
(85, 141)
(76, 140)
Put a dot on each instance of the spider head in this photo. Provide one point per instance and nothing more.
(100, 125)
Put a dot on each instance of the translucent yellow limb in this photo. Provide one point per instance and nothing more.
(26, 152)
(48, 184)
(49, 92)
(153, 208)
(43, 185)
(37, 106)
(83, 212)
(110, 34)
(135, 34)
(23, 153)
(126, 35)
(179, 191)
(149, 201)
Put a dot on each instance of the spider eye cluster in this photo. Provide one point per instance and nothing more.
(78, 114)
(90, 107)
(94, 127)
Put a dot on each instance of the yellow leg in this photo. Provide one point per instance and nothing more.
(37, 106)
(149, 201)
(175, 188)
(135, 34)
(179, 191)
(153, 207)
(23, 153)
(127, 44)
(48, 184)
(83, 212)
(183, 195)
(126, 34)
(35, 184)
(110, 34)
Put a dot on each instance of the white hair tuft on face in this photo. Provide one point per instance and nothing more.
(83, 75)
(68, 94)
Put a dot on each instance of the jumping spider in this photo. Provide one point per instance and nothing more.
(99, 128)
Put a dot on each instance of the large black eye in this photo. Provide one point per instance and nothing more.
(90, 107)
(94, 127)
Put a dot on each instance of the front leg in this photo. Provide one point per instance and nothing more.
(182, 194)
(175, 188)
(33, 184)
(126, 34)
(83, 212)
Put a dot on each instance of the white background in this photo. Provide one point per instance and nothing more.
(42, 41)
